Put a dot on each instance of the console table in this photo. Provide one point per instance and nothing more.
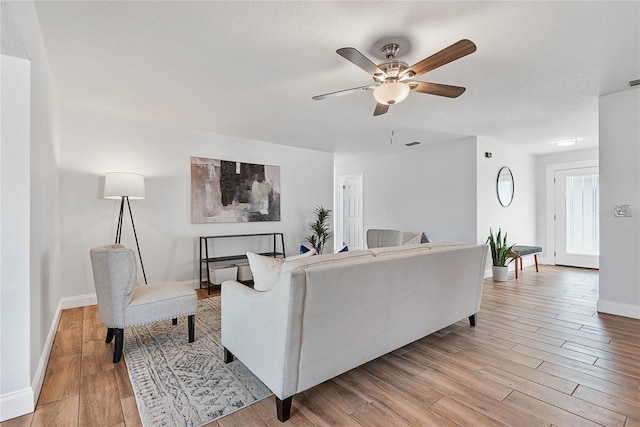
(207, 249)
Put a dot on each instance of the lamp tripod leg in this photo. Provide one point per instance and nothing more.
(137, 245)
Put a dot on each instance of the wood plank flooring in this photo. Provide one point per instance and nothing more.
(540, 355)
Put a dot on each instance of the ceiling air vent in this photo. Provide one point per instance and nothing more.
(634, 82)
(411, 144)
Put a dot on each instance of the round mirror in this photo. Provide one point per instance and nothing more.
(505, 186)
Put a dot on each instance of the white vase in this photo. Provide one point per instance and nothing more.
(499, 273)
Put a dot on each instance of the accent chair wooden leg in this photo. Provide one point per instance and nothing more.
(117, 351)
(192, 327)
(109, 335)
(516, 268)
(174, 321)
(472, 319)
(535, 257)
(283, 408)
(228, 356)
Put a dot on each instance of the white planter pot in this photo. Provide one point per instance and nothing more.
(500, 273)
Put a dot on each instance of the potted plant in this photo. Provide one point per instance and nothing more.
(499, 254)
(320, 231)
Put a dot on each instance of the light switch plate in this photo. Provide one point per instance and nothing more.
(622, 210)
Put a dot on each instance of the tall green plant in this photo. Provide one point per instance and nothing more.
(320, 231)
(499, 249)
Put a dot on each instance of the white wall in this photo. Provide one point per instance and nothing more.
(620, 184)
(519, 218)
(544, 195)
(427, 188)
(15, 378)
(96, 143)
(41, 186)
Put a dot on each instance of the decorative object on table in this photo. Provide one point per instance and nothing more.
(123, 304)
(320, 231)
(227, 191)
(500, 252)
(180, 384)
(505, 186)
(125, 186)
(345, 248)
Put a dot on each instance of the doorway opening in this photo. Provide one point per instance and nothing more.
(350, 224)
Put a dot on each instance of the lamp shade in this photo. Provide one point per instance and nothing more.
(391, 93)
(119, 184)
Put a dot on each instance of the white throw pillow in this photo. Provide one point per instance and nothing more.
(266, 269)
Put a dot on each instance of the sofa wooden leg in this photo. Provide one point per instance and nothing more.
(174, 321)
(283, 408)
(535, 257)
(472, 319)
(117, 351)
(192, 327)
(109, 335)
(228, 356)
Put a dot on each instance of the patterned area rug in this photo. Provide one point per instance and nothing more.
(177, 383)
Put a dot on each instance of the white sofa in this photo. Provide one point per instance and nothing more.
(328, 314)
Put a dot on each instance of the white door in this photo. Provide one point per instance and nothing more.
(352, 218)
(577, 221)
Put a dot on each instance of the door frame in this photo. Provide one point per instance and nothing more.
(550, 203)
(339, 220)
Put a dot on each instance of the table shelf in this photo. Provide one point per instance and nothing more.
(222, 261)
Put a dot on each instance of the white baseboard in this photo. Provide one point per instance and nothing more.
(21, 402)
(16, 403)
(24, 401)
(619, 308)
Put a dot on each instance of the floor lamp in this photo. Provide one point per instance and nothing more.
(125, 186)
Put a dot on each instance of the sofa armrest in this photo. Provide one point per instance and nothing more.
(263, 330)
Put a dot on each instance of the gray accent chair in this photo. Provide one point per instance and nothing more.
(123, 303)
(381, 238)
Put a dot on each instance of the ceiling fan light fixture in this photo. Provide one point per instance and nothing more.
(391, 93)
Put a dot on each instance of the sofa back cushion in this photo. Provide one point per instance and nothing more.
(266, 269)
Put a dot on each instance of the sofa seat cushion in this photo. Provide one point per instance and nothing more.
(151, 303)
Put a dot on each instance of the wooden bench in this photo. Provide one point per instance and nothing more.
(518, 252)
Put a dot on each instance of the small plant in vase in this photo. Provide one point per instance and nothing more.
(320, 231)
(499, 254)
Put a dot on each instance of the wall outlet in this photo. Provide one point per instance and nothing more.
(622, 210)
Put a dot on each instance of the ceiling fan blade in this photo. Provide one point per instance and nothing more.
(455, 51)
(438, 89)
(354, 56)
(380, 109)
(342, 92)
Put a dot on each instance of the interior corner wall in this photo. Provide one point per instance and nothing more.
(15, 374)
(620, 185)
(519, 218)
(95, 142)
(42, 292)
(427, 188)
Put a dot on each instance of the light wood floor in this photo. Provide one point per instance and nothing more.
(540, 355)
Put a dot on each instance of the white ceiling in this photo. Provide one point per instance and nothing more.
(249, 69)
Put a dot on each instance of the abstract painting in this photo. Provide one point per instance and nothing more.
(227, 191)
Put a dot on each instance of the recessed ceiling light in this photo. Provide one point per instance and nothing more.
(565, 142)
